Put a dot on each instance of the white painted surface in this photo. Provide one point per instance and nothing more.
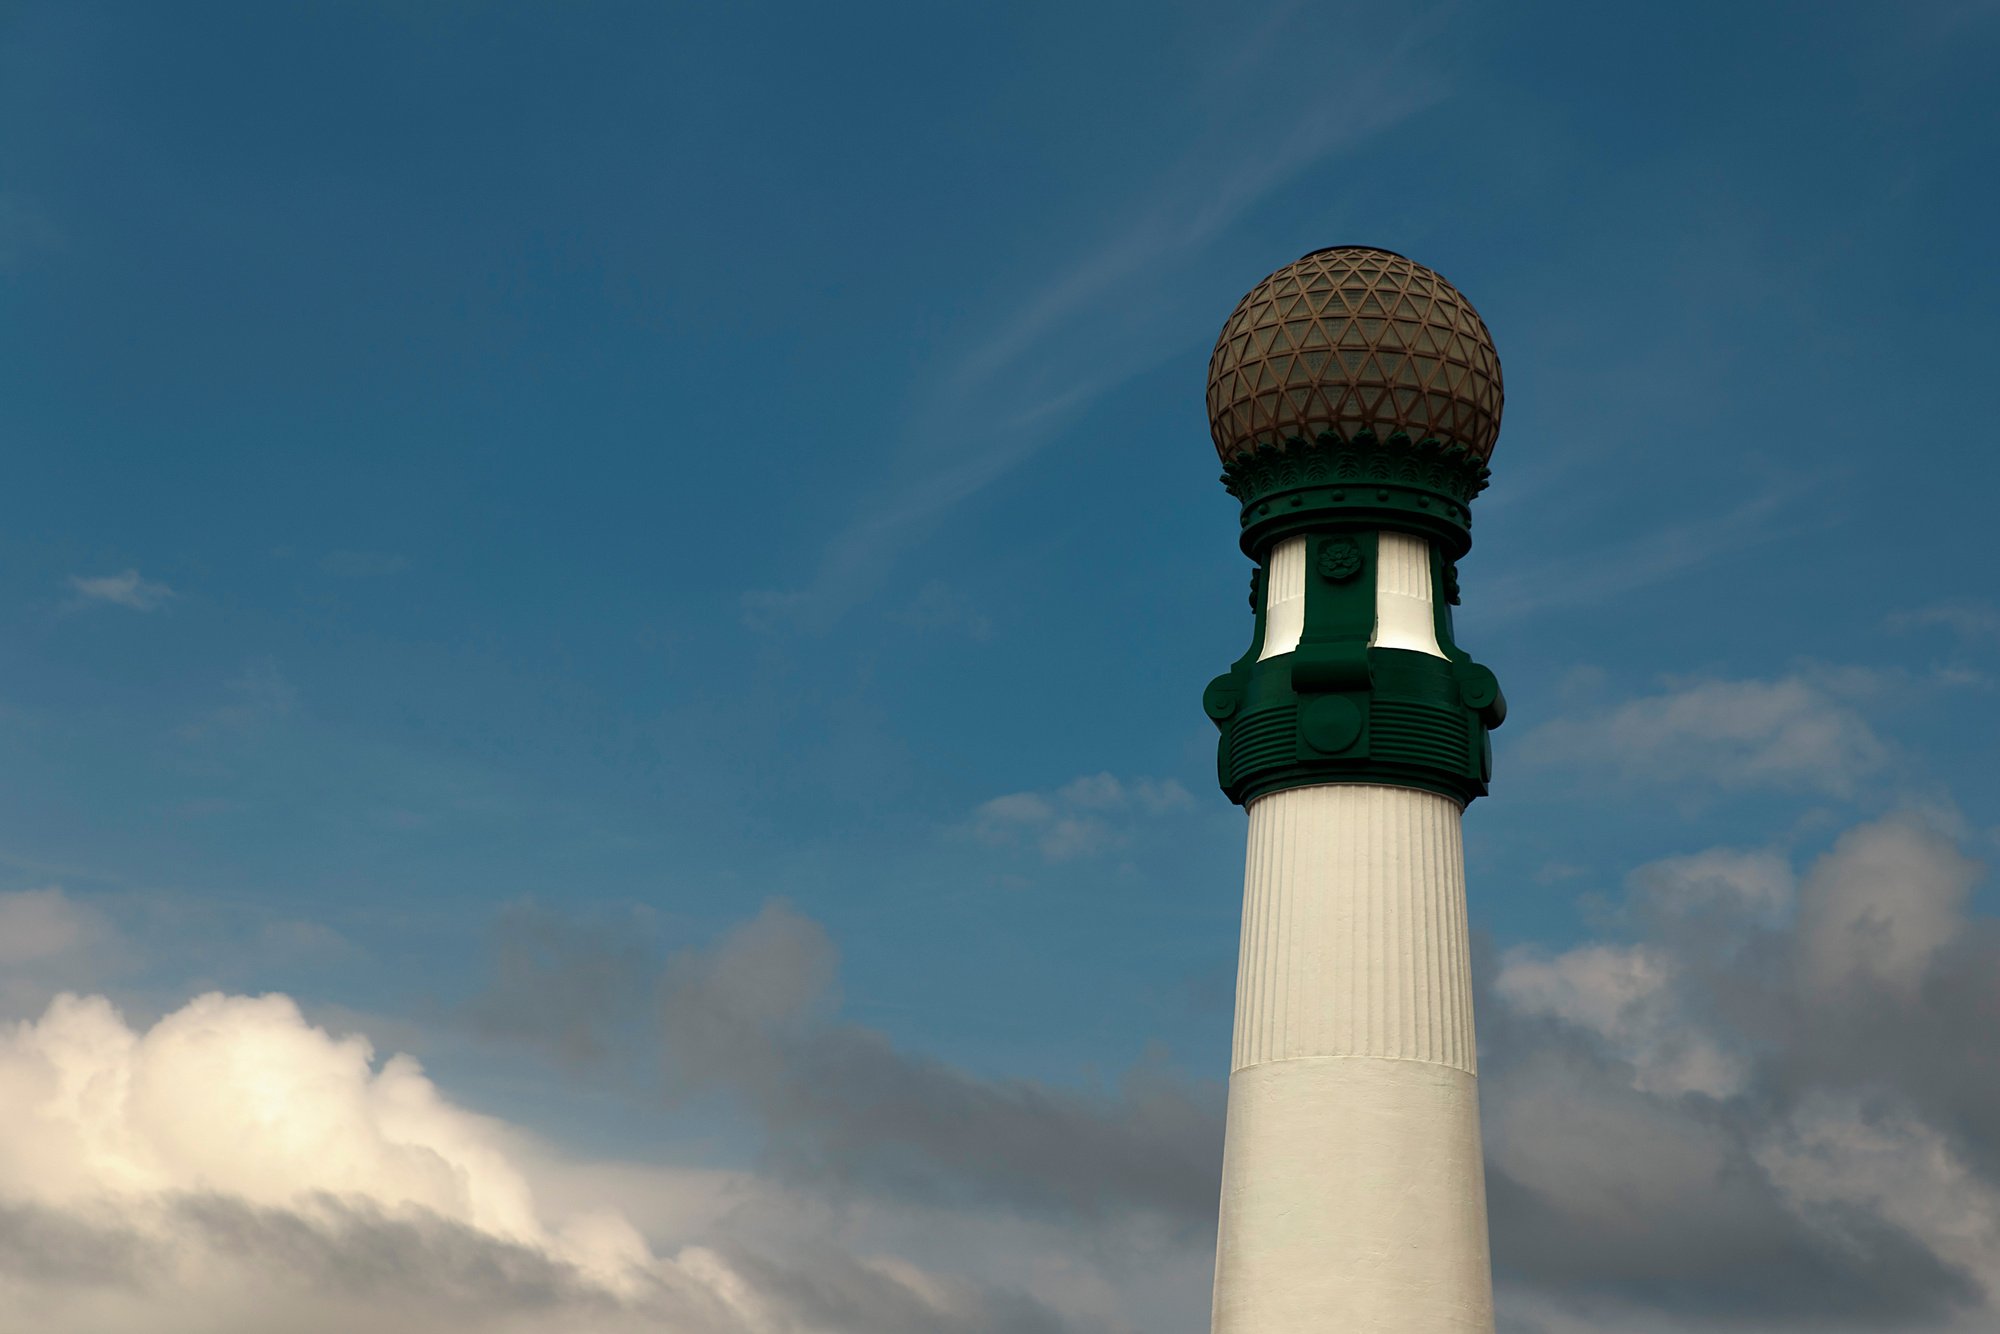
(1405, 612)
(1284, 598)
(1354, 935)
(1352, 1200)
(1352, 1193)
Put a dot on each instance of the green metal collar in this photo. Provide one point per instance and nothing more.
(1414, 486)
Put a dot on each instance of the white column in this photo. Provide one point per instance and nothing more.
(1405, 612)
(1284, 598)
(1353, 1198)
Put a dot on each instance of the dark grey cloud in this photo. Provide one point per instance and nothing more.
(222, 1263)
(227, 1266)
(575, 990)
(1663, 1206)
(49, 1246)
(1772, 1102)
(353, 1249)
(1852, 1034)
(849, 1108)
(757, 1019)
(832, 1291)
(757, 1016)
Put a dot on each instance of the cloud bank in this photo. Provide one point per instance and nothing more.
(233, 1167)
(1766, 1099)
(754, 1019)
(1772, 1107)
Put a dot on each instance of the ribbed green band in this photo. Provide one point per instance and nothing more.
(1335, 710)
(1418, 486)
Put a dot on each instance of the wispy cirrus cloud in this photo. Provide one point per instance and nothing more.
(1968, 620)
(937, 608)
(1649, 557)
(1099, 320)
(259, 694)
(126, 588)
(1084, 817)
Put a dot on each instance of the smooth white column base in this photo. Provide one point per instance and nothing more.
(1353, 1201)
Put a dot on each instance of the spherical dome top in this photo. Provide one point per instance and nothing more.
(1352, 338)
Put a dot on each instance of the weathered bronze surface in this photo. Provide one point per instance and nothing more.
(1351, 339)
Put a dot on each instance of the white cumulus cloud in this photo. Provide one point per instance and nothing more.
(1796, 733)
(233, 1167)
(1626, 995)
(240, 1096)
(1881, 905)
(1759, 882)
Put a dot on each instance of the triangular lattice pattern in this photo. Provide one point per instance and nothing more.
(1349, 338)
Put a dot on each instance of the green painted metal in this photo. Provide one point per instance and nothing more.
(1335, 710)
(1418, 486)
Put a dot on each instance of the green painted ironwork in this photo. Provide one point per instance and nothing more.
(1335, 710)
(1419, 486)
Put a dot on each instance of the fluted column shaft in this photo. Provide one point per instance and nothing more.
(1353, 1198)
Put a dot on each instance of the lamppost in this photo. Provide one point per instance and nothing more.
(1354, 397)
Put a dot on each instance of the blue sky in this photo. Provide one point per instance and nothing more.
(499, 494)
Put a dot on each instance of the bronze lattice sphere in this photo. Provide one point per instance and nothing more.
(1353, 338)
